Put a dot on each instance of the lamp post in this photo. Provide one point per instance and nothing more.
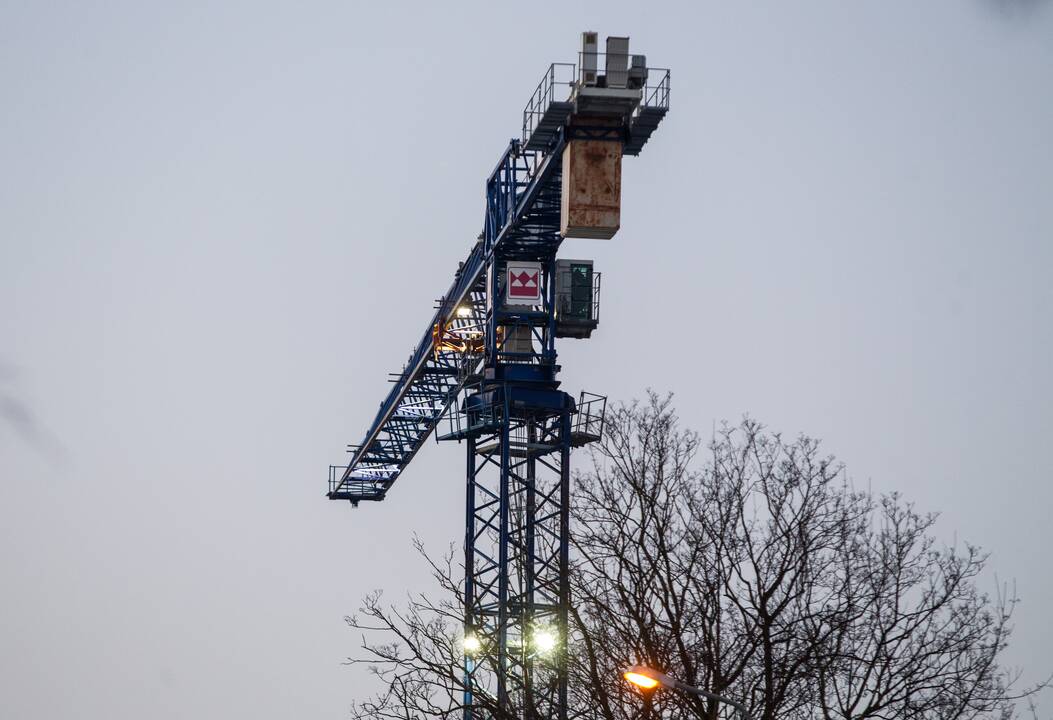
(648, 679)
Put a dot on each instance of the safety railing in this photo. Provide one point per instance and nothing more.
(558, 77)
(587, 425)
(652, 82)
(573, 307)
(467, 421)
(368, 484)
(468, 366)
(656, 91)
(336, 474)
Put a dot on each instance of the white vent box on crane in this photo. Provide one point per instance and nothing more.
(617, 58)
(615, 93)
(592, 189)
(589, 48)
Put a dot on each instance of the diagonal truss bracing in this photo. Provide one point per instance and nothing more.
(522, 219)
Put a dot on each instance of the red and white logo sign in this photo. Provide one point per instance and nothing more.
(523, 283)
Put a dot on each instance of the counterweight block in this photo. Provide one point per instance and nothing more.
(592, 189)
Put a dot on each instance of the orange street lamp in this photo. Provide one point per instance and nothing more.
(644, 682)
(648, 679)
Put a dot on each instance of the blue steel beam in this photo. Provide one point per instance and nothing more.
(522, 210)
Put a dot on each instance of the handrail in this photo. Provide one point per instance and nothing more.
(656, 95)
(545, 94)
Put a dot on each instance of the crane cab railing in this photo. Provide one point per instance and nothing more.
(589, 416)
(474, 420)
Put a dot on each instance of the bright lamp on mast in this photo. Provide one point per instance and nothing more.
(471, 644)
(544, 641)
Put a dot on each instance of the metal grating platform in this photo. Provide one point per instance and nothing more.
(642, 127)
(550, 122)
(549, 107)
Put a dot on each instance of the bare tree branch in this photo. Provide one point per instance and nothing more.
(761, 575)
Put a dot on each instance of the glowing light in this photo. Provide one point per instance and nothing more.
(464, 311)
(544, 641)
(641, 680)
(471, 644)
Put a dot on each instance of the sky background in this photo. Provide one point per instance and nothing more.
(223, 224)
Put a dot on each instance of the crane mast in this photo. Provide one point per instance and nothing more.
(485, 374)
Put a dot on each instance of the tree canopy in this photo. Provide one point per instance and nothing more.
(759, 574)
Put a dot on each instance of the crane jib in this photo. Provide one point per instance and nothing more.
(426, 387)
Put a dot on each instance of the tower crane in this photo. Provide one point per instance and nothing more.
(485, 373)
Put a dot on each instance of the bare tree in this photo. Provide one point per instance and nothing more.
(761, 575)
(417, 654)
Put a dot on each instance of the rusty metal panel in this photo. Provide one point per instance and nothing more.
(592, 189)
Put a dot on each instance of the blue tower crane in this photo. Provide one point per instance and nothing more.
(485, 373)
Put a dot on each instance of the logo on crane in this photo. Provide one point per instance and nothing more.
(523, 283)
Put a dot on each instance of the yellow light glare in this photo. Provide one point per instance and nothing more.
(464, 311)
(544, 641)
(643, 681)
(471, 644)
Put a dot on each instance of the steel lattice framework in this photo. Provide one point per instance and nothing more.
(489, 368)
(522, 222)
(516, 543)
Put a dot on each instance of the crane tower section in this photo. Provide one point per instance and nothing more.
(484, 374)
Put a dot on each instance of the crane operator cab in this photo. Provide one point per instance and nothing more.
(577, 298)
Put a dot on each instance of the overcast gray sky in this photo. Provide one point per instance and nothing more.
(222, 224)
